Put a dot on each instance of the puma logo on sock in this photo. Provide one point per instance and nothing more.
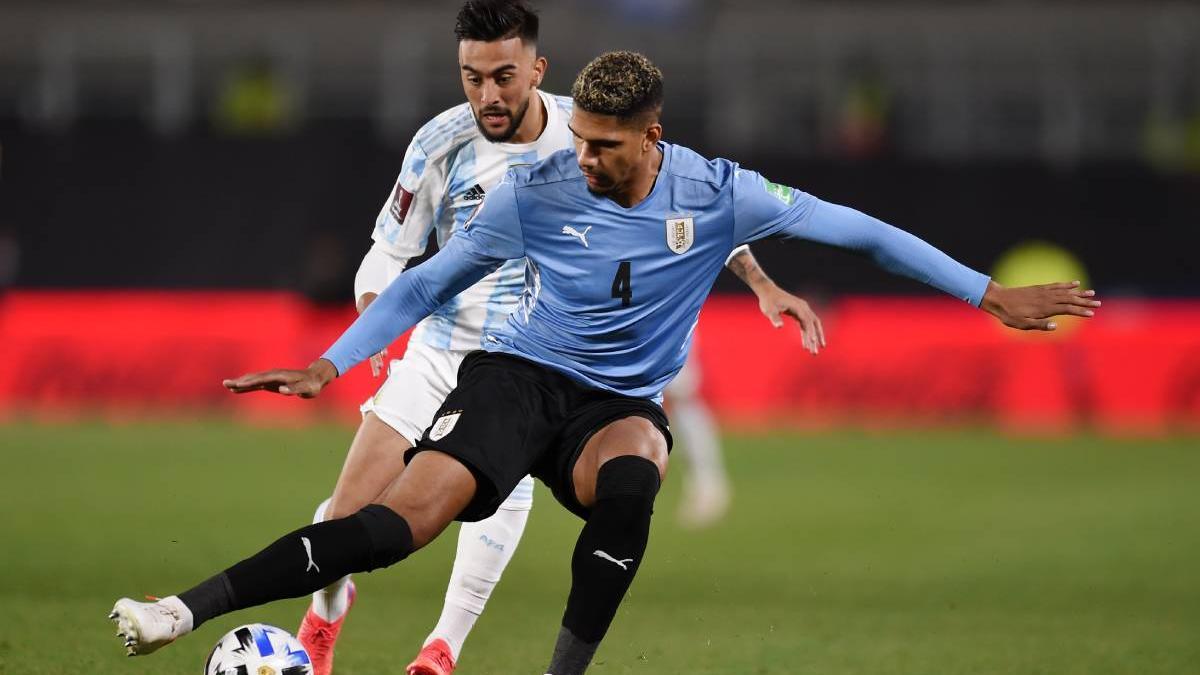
(619, 563)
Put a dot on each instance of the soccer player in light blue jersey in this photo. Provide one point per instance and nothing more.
(623, 239)
(450, 164)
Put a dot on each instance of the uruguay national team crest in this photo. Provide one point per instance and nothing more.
(681, 232)
(444, 425)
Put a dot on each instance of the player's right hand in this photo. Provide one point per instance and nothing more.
(306, 383)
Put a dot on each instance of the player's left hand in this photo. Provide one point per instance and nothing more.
(306, 383)
(1033, 307)
(776, 302)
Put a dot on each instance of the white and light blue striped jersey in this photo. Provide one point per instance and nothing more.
(614, 292)
(447, 170)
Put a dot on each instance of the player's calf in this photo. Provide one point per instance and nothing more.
(606, 558)
(296, 564)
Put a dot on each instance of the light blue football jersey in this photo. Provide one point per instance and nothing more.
(612, 294)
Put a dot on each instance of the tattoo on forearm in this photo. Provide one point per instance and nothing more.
(746, 268)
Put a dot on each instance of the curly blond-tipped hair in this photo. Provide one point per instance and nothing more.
(625, 84)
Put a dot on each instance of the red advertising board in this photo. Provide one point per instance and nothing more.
(1135, 368)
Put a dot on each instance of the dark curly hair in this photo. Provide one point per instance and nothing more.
(625, 84)
(491, 20)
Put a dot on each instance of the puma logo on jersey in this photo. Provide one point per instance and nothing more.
(619, 563)
(567, 229)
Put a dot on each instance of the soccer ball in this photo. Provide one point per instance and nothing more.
(258, 649)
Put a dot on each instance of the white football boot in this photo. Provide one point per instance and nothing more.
(148, 626)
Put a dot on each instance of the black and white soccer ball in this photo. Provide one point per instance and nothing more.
(258, 649)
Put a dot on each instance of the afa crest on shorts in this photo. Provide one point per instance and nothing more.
(681, 232)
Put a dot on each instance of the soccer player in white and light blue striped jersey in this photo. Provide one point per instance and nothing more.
(623, 239)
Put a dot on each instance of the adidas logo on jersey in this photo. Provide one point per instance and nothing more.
(475, 194)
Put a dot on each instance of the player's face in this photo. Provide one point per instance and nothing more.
(611, 152)
(499, 79)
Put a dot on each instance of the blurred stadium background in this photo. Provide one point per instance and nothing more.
(186, 189)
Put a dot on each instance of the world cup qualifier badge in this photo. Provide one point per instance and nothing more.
(781, 192)
(443, 425)
(401, 200)
(681, 232)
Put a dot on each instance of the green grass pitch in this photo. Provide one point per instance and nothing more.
(956, 552)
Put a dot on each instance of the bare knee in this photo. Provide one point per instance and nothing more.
(335, 509)
(638, 437)
(374, 462)
(347, 503)
(629, 436)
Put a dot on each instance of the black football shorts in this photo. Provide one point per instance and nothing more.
(509, 417)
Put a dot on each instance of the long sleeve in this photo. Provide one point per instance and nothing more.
(764, 209)
(379, 267)
(482, 245)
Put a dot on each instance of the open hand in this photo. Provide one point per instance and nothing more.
(1031, 307)
(776, 302)
(306, 383)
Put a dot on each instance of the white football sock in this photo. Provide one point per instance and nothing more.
(332, 602)
(484, 550)
(693, 423)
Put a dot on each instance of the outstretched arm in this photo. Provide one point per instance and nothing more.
(764, 209)
(410, 298)
(492, 236)
(774, 302)
(1025, 308)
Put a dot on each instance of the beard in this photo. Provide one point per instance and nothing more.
(604, 186)
(599, 190)
(514, 123)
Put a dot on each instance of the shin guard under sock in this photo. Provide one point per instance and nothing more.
(303, 561)
(606, 558)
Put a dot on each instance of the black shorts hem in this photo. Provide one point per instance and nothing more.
(485, 502)
(562, 485)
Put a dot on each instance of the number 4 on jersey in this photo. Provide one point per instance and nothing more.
(622, 287)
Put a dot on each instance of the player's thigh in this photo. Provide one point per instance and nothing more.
(375, 460)
(393, 419)
(431, 492)
(498, 422)
(634, 435)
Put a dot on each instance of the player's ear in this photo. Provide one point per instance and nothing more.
(539, 70)
(652, 136)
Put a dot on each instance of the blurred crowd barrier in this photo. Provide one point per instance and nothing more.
(1060, 82)
(891, 361)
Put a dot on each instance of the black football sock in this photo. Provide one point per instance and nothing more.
(303, 561)
(607, 556)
